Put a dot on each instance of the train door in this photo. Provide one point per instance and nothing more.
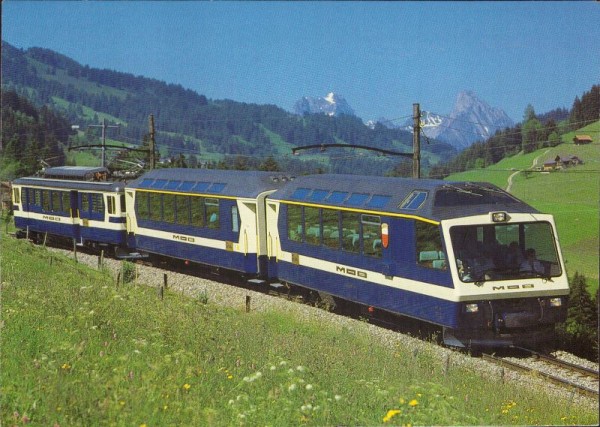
(74, 214)
(265, 243)
(272, 236)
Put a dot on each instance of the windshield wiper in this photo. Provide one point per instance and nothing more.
(461, 190)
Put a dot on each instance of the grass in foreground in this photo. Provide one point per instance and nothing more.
(77, 350)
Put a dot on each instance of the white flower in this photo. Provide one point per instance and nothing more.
(337, 397)
(292, 387)
(309, 386)
(300, 368)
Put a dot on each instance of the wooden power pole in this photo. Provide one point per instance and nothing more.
(416, 141)
(152, 143)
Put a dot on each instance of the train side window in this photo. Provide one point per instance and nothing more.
(169, 208)
(123, 205)
(235, 219)
(371, 229)
(66, 202)
(154, 206)
(212, 212)
(85, 203)
(331, 228)
(16, 195)
(97, 203)
(198, 211)
(295, 226)
(182, 207)
(141, 205)
(351, 232)
(110, 201)
(37, 198)
(56, 202)
(313, 225)
(46, 200)
(430, 252)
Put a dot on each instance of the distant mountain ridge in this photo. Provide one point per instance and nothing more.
(471, 120)
(188, 124)
(332, 105)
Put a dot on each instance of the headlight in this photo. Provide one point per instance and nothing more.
(471, 308)
(555, 302)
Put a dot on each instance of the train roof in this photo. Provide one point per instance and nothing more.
(74, 172)
(427, 198)
(70, 184)
(231, 183)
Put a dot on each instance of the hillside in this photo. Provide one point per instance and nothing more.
(571, 195)
(189, 124)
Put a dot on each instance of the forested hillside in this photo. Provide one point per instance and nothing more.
(196, 129)
(29, 135)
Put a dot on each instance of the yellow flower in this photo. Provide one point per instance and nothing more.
(186, 386)
(66, 366)
(391, 414)
(413, 402)
(402, 401)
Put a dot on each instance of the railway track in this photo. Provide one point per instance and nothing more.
(579, 379)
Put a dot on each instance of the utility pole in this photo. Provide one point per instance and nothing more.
(104, 126)
(416, 141)
(152, 143)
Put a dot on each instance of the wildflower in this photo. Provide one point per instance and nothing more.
(292, 387)
(337, 397)
(413, 402)
(186, 386)
(300, 368)
(391, 414)
(229, 376)
(272, 368)
(309, 387)
(66, 366)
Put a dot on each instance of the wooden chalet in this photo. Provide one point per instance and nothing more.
(582, 139)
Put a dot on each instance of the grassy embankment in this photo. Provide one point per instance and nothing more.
(571, 195)
(78, 350)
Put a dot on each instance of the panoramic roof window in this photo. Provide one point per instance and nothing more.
(201, 187)
(159, 183)
(187, 185)
(357, 199)
(337, 197)
(300, 193)
(318, 195)
(378, 201)
(414, 200)
(146, 183)
(172, 185)
(217, 187)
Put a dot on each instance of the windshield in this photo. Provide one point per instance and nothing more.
(505, 252)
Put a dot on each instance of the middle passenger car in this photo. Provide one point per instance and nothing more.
(213, 217)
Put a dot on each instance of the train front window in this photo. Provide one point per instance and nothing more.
(505, 252)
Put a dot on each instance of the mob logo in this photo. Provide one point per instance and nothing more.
(183, 238)
(351, 272)
(513, 287)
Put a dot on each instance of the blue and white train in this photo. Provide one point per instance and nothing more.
(468, 257)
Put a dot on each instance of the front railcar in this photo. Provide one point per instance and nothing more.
(509, 279)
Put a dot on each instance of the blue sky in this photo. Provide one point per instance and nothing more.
(381, 56)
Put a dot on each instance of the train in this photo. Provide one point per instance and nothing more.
(467, 257)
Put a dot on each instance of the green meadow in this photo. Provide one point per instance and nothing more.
(77, 349)
(571, 195)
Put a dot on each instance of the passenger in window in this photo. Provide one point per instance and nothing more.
(531, 263)
(514, 256)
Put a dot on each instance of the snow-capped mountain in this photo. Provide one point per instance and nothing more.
(471, 120)
(332, 104)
